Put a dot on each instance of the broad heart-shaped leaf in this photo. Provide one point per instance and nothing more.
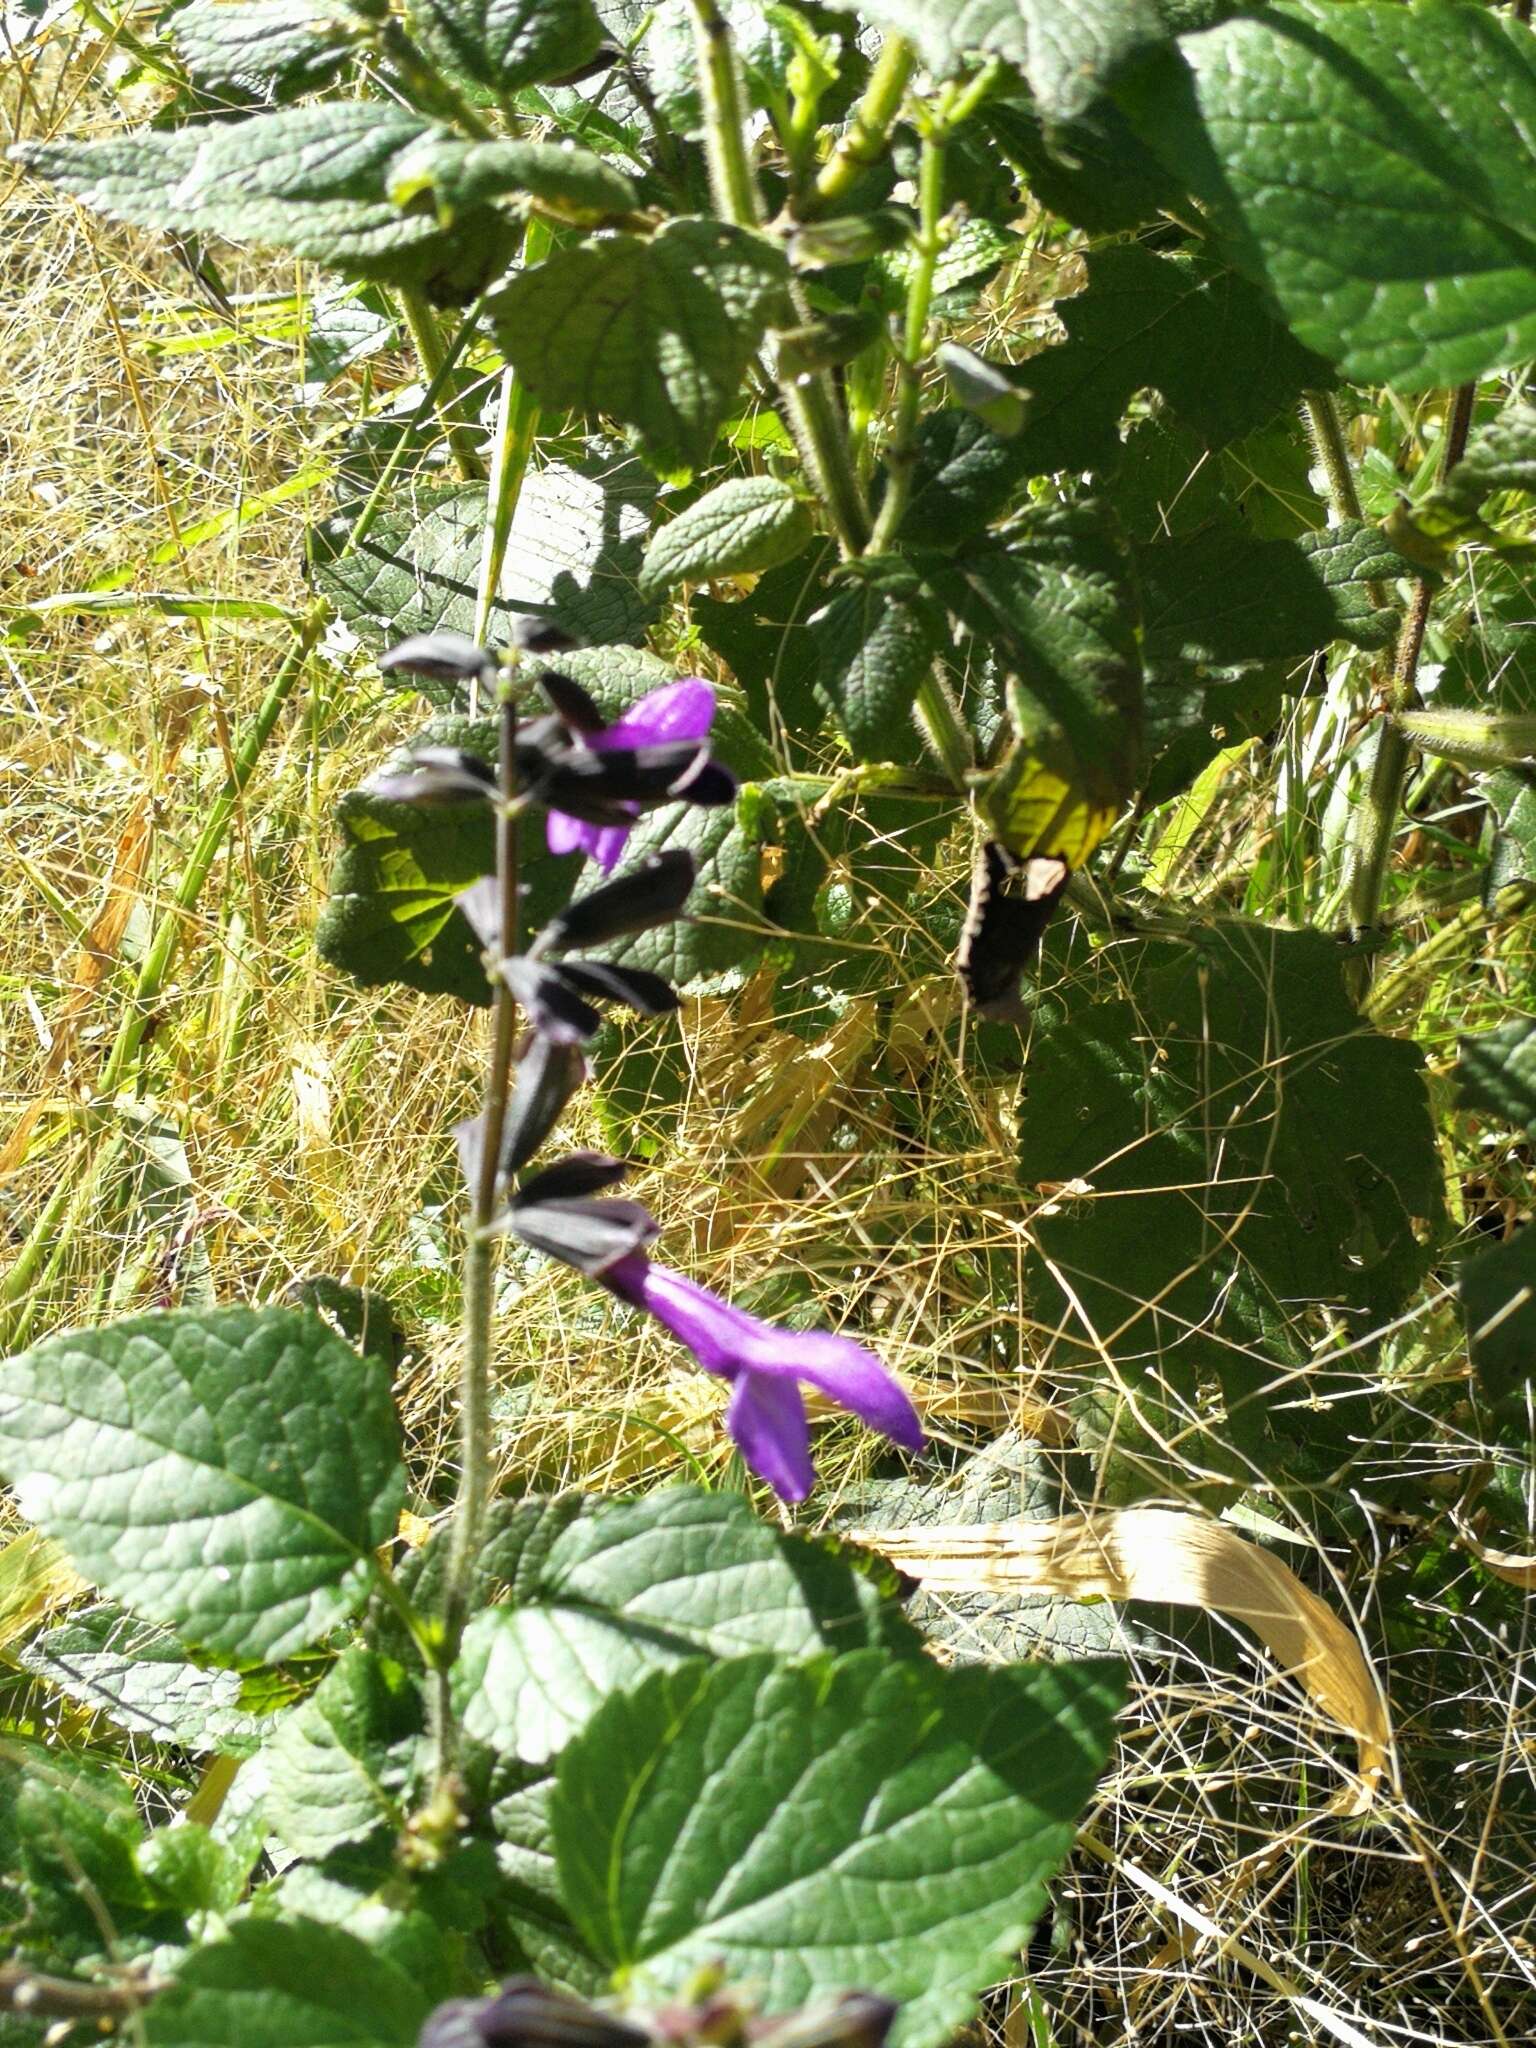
(1191, 329)
(861, 1821)
(1498, 1303)
(283, 1983)
(1067, 49)
(747, 523)
(1407, 252)
(228, 1472)
(140, 1678)
(1496, 1073)
(338, 1763)
(875, 645)
(505, 44)
(311, 180)
(572, 559)
(278, 47)
(655, 333)
(1245, 1154)
(636, 1586)
(1219, 596)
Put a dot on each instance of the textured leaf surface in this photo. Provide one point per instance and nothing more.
(1067, 49)
(338, 1763)
(139, 1677)
(876, 643)
(655, 333)
(1248, 1152)
(573, 558)
(1497, 1073)
(1371, 166)
(633, 1587)
(858, 1821)
(288, 1984)
(505, 44)
(461, 174)
(281, 47)
(227, 1472)
(1498, 1301)
(747, 523)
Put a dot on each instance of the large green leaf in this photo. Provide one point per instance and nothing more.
(572, 558)
(1067, 49)
(747, 523)
(1094, 170)
(228, 1472)
(864, 1821)
(288, 1984)
(1244, 1154)
(655, 333)
(140, 1678)
(505, 44)
(279, 47)
(338, 1764)
(79, 1837)
(1370, 165)
(637, 1586)
(312, 180)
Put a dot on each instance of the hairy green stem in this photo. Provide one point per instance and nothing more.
(1327, 438)
(431, 351)
(467, 1527)
(864, 140)
(1376, 819)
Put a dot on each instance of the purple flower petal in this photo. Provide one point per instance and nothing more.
(852, 1377)
(675, 711)
(564, 834)
(767, 1421)
(607, 844)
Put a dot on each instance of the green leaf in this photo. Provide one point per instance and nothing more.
(655, 333)
(1492, 664)
(1066, 49)
(1496, 1073)
(1245, 1154)
(964, 475)
(633, 1587)
(280, 48)
(139, 1677)
(799, 1826)
(572, 558)
(1500, 456)
(312, 180)
(458, 174)
(194, 1870)
(1220, 596)
(1498, 1303)
(766, 640)
(288, 1984)
(505, 44)
(338, 1763)
(1093, 170)
(1407, 252)
(79, 1834)
(228, 1472)
(876, 644)
(1189, 328)
(747, 523)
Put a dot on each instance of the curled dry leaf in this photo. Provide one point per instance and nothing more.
(1159, 1554)
(1507, 1565)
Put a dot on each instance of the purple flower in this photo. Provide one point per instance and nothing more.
(765, 1367)
(675, 711)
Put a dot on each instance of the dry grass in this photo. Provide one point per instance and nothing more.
(291, 1125)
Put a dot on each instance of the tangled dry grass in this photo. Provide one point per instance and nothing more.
(292, 1125)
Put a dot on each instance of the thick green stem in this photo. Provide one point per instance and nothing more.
(467, 1528)
(1327, 438)
(1377, 817)
(901, 453)
(868, 132)
(430, 349)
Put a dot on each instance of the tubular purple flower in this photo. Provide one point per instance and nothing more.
(765, 1366)
(676, 711)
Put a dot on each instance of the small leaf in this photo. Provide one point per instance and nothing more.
(1407, 253)
(1066, 49)
(1498, 1303)
(980, 387)
(745, 524)
(338, 1763)
(277, 1983)
(747, 1815)
(140, 1678)
(280, 48)
(1496, 1073)
(657, 334)
(876, 645)
(458, 174)
(270, 1445)
(505, 44)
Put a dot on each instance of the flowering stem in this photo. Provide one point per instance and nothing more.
(467, 1527)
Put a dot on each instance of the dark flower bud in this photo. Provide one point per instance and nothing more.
(554, 1007)
(596, 786)
(547, 1076)
(856, 2020)
(636, 987)
(577, 1175)
(649, 895)
(588, 1232)
(526, 2014)
(536, 635)
(445, 657)
(571, 701)
(435, 775)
